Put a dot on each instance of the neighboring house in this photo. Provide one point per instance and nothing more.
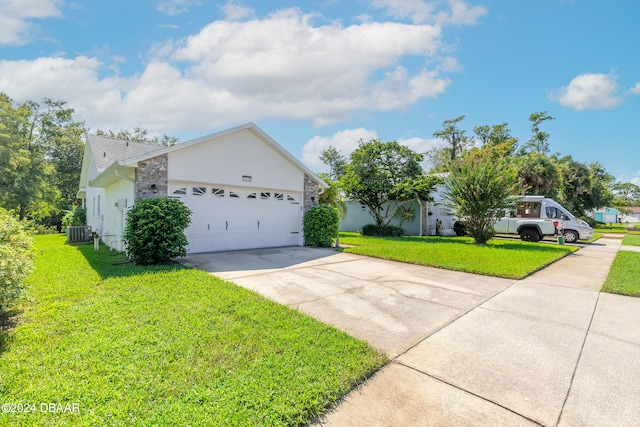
(431, 218)
(632, 216)
(244, 190)
(606, 215)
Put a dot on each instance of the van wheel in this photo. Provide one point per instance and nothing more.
(570, 236)
(529, 235)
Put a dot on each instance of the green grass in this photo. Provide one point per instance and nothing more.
(503, 258)
(612, 229)
(624, 276)
(166, 346)
(631, 240)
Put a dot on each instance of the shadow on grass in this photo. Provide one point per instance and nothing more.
(467, 241)
(109, 263)
(8, 321)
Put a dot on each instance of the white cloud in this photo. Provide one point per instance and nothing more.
(175, 7)
(282, 66)
(419, 11)
(235, 11)
(345, 141)
(589, 91)
(635, 89)
(16, 17)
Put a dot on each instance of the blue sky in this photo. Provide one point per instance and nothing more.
(330, 72)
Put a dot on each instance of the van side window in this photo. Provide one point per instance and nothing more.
(552, 212)
(528, 210)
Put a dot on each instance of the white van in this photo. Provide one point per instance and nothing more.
(541, 207)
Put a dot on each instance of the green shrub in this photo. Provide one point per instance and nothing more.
(636, 226)
(478, 190)
(385, 230)
(592, 222)
(321, 225)
(155, 231)
(16, 257)
(75, 217)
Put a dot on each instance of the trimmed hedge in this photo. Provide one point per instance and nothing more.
(155, 231)
(321, 225)
(381, 231)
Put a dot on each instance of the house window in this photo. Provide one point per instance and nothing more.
(93, 207)
(98, 205)
(265, 196)
(217, 192)
(198, 191)
(180, 191)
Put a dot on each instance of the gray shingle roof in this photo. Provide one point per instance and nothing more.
(106, 151)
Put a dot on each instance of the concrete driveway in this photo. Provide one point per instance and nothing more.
(465, 350)
(391, 305)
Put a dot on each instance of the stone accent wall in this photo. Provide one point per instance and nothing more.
(310, 193)
(150, 172)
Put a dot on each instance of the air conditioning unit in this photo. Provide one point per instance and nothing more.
(77, 234)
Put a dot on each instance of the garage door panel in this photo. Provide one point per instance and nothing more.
(230, 218)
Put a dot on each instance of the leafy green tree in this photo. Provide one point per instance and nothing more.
(155, 230)
(456, 140)
(337, 163)
(539, 142)
(383, 176)
(625, 194)
(540, 174)
(479, 189)
(498, 138)
(139, 134)
(25, 170)
(575, 184)
(16, 258)
(41, 149)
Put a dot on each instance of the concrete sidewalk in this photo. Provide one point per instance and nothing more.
(548, 350)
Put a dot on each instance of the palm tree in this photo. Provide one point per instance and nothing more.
(332, 196)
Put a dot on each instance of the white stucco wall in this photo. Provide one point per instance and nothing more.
(358, 216)
(122, 194)
(227, 159)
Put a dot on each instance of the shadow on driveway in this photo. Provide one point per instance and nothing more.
(256, 259)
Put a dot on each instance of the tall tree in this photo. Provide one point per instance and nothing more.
(337, 163)
(539, 142)
(625, 194)
(540, 174)
(140, 134)
(384, 172)
(498, 138)
(24, 169)
(40, 157)
(456, 140)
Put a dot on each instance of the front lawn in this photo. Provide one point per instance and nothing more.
(613, 229)
(165, 346)
(631, 240)
(503, 258)
(624, 276)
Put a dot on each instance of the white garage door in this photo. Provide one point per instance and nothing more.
(227, 218)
